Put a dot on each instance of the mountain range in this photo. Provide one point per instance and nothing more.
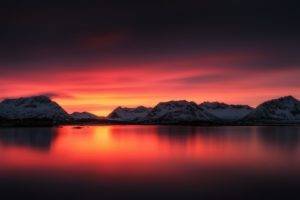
(41, 110)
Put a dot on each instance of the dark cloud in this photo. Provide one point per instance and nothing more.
(54, 95)
(36, 34)
(203, 79)
(47, 94)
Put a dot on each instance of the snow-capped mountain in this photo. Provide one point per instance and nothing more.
(226, 112)
(178, 112)
(42, 110)
(84, 116)
(36, 107)
(284, 109)
(129, 114)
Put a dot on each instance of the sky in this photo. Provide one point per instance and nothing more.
(97, 55)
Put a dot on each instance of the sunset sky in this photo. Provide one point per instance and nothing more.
(96, 55)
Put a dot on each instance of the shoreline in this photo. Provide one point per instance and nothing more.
(109, 123)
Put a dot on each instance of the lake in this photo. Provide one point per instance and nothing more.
(150, 162)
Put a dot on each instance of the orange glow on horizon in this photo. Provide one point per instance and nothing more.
(136, 82)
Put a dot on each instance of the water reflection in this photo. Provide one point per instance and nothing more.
(283, 138)
(34, 138)
(178, 161)
(177, 134)
(142, 149)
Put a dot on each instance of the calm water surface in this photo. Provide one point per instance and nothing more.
(150, 162)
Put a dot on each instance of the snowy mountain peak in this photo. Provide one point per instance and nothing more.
(163, 107)
(142, 109)
(225, 111)
(288, 98)
(26, 100)
(219, 105)
(36, 107)
(84, 116)
(286, 101)
(129, 114)
(285, 109)
(179, 103)
(178, 111)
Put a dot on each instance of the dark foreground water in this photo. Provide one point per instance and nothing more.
(150, 162)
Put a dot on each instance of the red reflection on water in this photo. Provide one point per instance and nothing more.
(147, 151)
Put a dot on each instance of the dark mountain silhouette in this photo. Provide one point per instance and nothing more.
(39, 139)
